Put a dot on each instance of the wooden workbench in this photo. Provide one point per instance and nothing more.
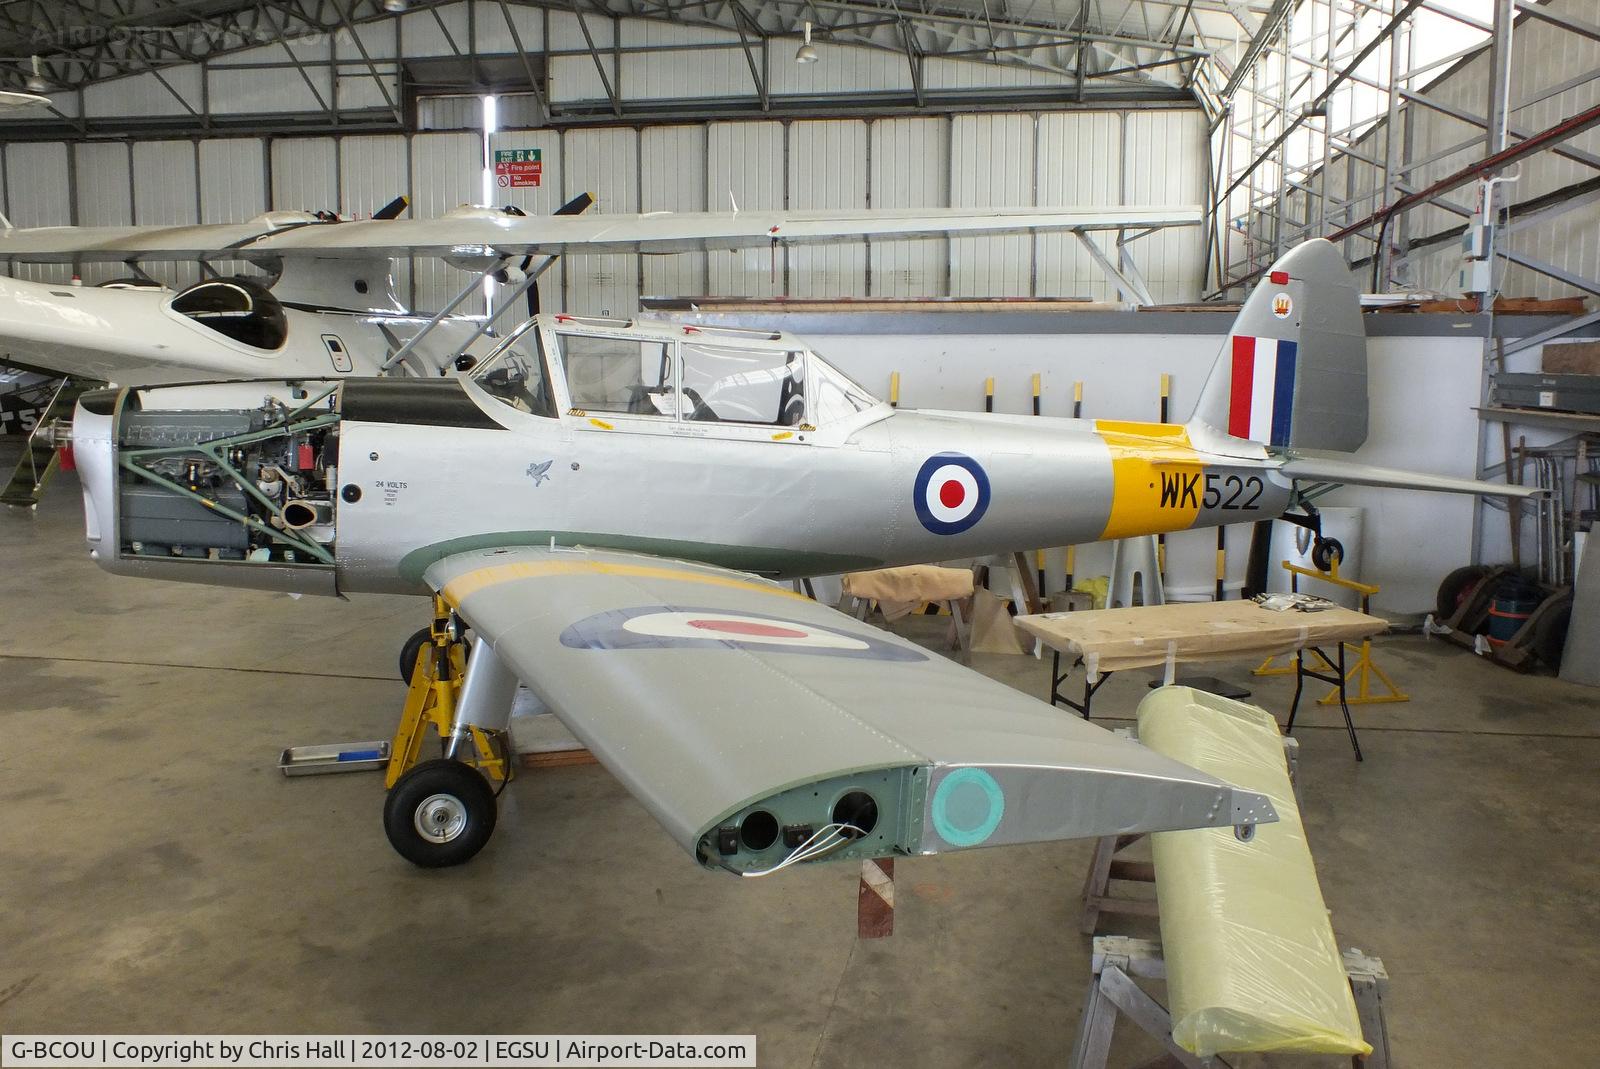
(1110, 640)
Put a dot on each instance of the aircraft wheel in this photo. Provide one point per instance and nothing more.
(411, 651)
(1325, 552)
(1457, 587)
(440, 813)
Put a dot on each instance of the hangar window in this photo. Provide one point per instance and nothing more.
(723, 383)
(623, 375)
(236, 308)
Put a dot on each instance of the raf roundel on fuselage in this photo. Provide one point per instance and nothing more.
(951, 493)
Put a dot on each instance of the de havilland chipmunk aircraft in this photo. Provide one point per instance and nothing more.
(609, 505)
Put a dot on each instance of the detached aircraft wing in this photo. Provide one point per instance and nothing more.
(750, 720)
(474, 232)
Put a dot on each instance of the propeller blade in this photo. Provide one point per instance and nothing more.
(394, 209)
(576, 206)
(395, 344)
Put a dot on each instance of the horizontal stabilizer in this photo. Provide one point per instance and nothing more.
(1323, 469)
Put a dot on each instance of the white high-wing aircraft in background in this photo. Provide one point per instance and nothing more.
(328, 307)
(332, 308)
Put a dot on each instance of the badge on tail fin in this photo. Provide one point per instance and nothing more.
(1293, 374)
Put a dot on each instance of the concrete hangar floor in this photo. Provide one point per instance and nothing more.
(158, 874)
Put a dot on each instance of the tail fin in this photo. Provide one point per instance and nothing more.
(1293, 372)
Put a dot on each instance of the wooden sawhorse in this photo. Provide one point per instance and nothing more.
(1118, 959)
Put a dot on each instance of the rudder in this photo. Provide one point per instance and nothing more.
(1293, 373)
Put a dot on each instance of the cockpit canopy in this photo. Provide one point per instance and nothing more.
(237, 308)
(669, 372)
(516, 379)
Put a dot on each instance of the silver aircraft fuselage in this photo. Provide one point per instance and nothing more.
(399, 473)
(783, 510)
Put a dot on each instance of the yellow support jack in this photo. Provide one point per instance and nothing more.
(1364, 668)
(1270, 668)
(431, 701)
(1361, 673)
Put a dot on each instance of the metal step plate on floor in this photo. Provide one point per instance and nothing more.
(333, 757)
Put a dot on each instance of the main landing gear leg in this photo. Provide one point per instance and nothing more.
(1326, 553)
(442, 812)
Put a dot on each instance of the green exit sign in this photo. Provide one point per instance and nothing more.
(517, 167)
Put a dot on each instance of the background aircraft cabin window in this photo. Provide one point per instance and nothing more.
(837, 397)
(622, 375)
(517, 379)
(722, 383)
(236, 308)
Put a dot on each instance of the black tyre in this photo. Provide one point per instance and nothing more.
(1550, 636)
(1456, 588)
(1325, 552)
(411, 651)
(440, 813)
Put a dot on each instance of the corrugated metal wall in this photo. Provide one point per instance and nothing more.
(745, 167)
(672, 177)
(827, 170)
(606, 164)
(1012, 160)
(910, 169)
(36, 185)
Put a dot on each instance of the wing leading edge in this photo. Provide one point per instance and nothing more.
(750, 720)
(467, 232)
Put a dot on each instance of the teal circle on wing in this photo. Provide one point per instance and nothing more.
(967, 807)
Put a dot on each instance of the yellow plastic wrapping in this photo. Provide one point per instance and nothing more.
(1251, 960)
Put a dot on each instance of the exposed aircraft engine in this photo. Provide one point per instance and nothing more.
(200, 483)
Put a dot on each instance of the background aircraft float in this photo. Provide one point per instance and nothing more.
(607, 503)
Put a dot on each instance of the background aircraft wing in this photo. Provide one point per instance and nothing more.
(121, 244)
(747, 718)
(669, 232)
(473, 232)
